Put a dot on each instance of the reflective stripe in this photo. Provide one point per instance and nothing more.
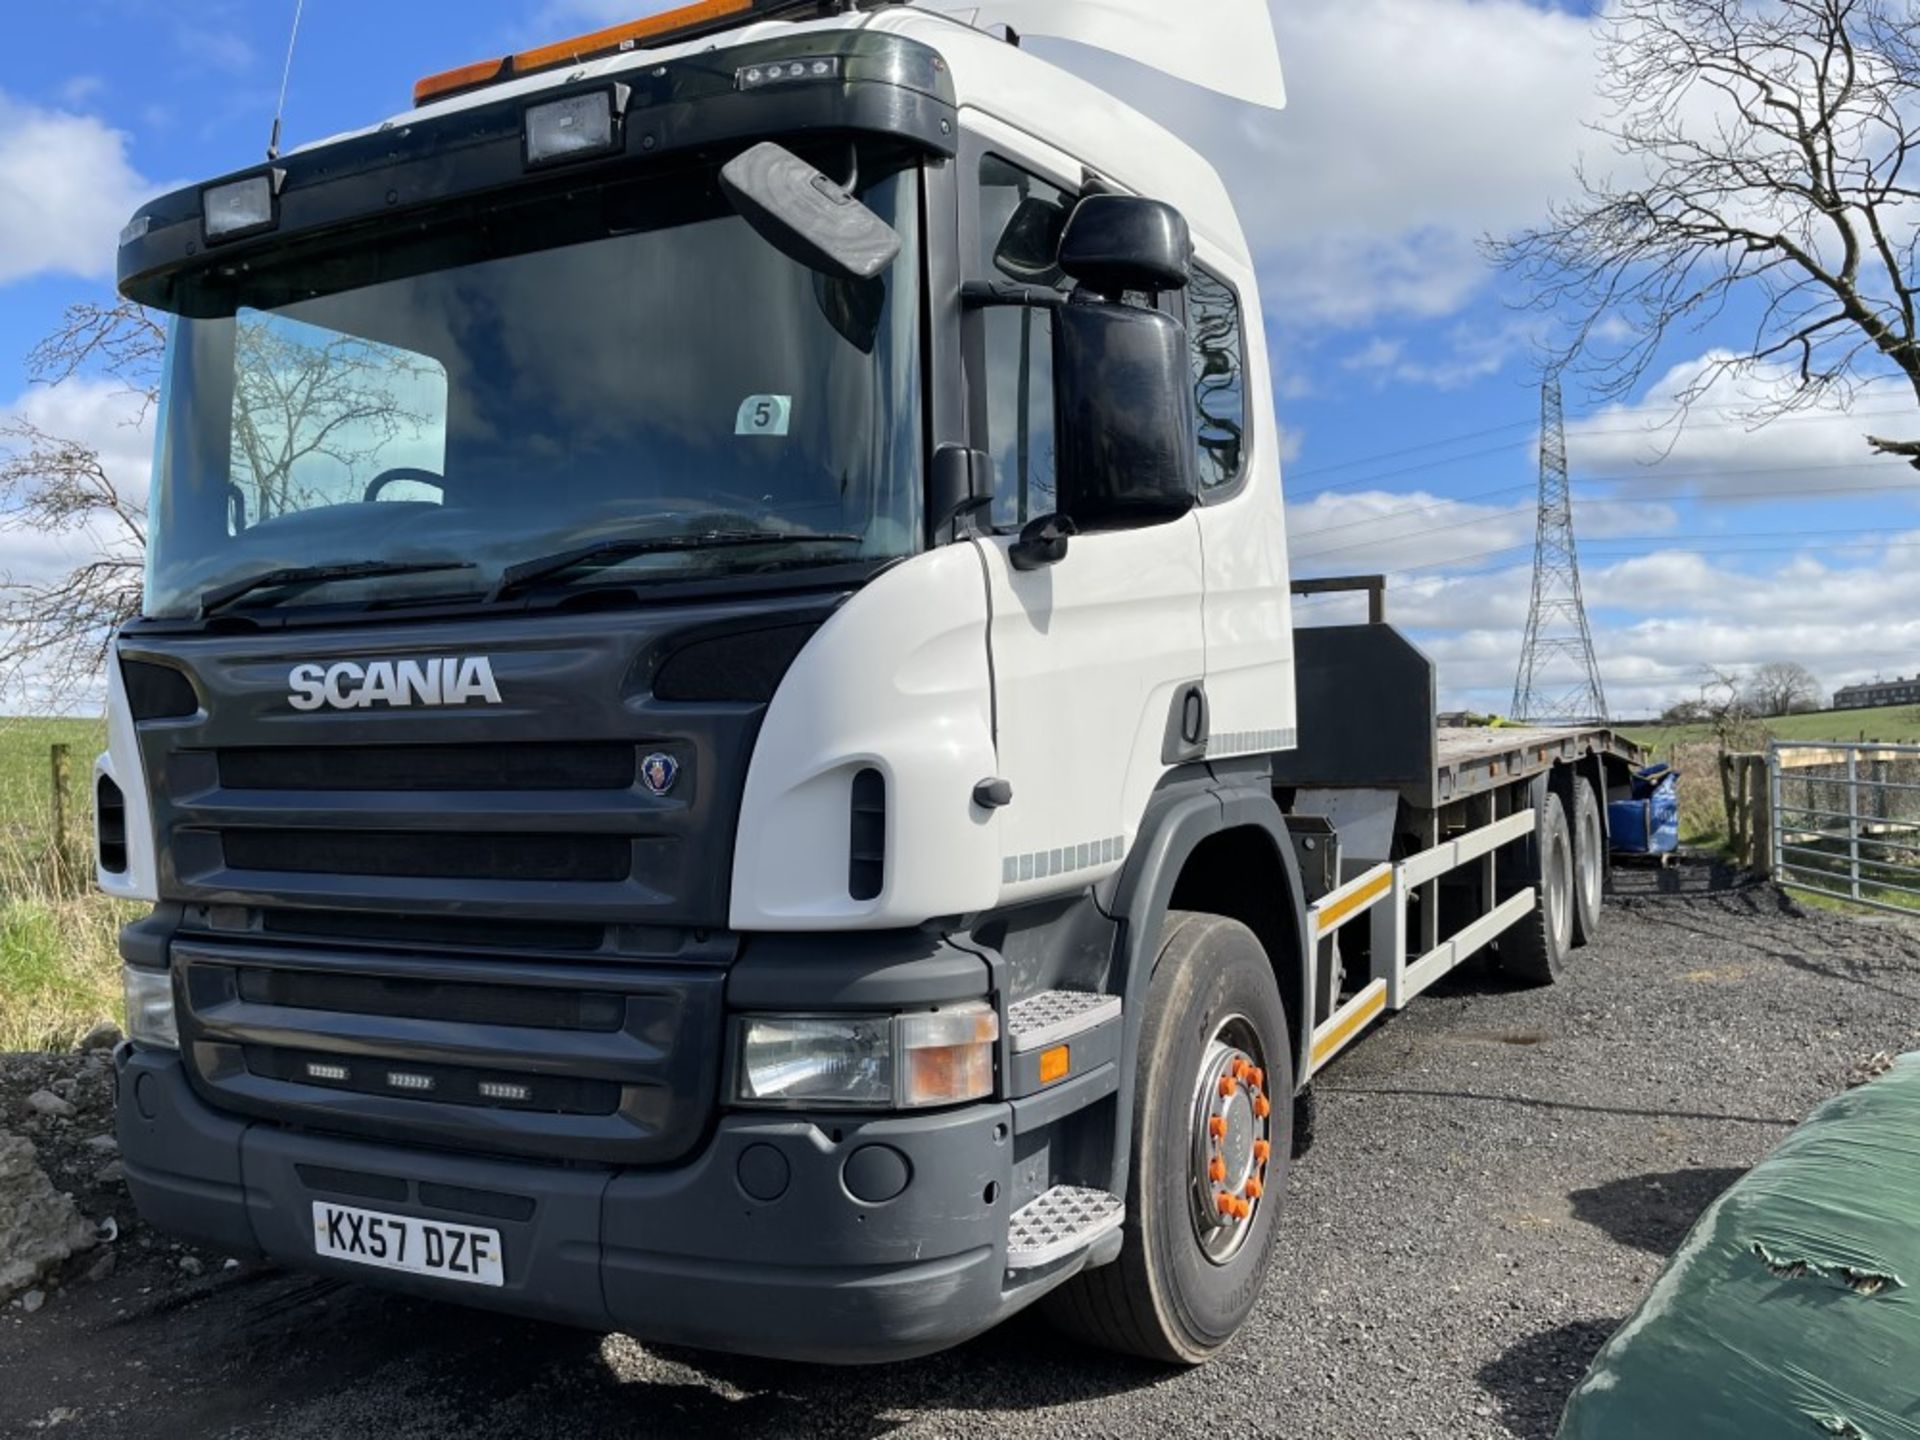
(1340, 1031)
(1333, 915)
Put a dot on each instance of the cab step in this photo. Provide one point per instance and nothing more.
(1062, 1222)
(1055, 1016)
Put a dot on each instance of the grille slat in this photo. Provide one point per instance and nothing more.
(416, 768)
(603, 859)
(516, 1005)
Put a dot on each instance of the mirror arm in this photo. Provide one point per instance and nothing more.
(995, 294)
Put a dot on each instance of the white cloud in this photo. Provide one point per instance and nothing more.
(1719, 447)
(105, 417)
(1413, 128)
(1659, 620)
(66, 188)
(1375, 531)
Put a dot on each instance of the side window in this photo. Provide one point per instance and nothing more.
(1021, 217)
(1219, 381)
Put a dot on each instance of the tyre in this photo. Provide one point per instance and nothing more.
(1536, 949)
(1212, 1136)
(1590, 863)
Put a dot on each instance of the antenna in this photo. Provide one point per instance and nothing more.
(286, 77)
(1557, 629)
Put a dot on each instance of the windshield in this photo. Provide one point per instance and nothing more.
(622, 363)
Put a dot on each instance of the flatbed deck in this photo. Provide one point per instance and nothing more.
(1471, 761)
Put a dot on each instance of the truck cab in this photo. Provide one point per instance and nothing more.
(709, 734)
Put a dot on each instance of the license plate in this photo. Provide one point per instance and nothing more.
(401, 1242)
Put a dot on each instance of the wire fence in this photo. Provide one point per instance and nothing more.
(1847, 821)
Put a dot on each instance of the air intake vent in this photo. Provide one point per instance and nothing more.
(158, 692)
(867, 870)
(732, 669)
(110, 808)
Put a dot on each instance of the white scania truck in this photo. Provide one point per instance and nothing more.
(716, 738)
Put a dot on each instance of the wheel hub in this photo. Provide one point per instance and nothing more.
(1232, 1139)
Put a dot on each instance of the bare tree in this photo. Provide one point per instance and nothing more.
(1784, 687)
(55, 632)
(312, 413)
(1764, 149)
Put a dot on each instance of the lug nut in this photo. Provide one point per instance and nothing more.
(1229, 1087)
(1217, 1171)
(1262, 1150)
(1217, 1127)
(1262, 1107)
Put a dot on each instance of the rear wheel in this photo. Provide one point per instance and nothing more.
(1536, 949)
(1212, 1135)
(1589, 863)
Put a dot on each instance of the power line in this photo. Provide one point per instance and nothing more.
(1649, 431)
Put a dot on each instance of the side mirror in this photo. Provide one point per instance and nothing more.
(1124, 438)
(806, 216)
(1117, 243)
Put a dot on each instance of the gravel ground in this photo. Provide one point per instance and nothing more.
(1498, 1176)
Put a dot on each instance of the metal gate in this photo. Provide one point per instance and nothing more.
(1846, 821)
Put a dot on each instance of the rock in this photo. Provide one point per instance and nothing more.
(45, 1102)
(101, 1269)
(113, 1172)
(103, 1145)
(39, 1227)
(191, 1264)
(33, 1300)
(104, 1036)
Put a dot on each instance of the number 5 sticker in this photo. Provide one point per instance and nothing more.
(764, 415)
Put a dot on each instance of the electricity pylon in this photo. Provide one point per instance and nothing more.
(1559, 681)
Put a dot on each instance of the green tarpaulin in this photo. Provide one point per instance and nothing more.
(1793, 1308)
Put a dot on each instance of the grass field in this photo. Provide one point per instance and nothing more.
(1897, 725)
(59, 968)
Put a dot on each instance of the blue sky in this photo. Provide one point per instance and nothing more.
(1407, 383)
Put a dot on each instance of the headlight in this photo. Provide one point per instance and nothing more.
(150, 1018)
(869, 1062)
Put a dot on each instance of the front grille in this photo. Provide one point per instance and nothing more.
(521, 1005)
(417, 768)
(602, 1063)
(438, 1084)
(589, 858)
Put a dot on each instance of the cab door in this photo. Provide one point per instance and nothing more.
(1094, 656)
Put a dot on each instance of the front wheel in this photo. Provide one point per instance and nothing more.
(1212, 1136)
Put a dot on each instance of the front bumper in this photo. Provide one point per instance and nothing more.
(758, 1245)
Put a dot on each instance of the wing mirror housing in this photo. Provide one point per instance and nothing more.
(807, 216)
(1116, 243)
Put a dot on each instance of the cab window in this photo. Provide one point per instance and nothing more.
(1217, 332)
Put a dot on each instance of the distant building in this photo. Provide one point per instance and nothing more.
(1877, 695)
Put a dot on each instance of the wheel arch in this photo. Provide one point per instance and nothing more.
(1224, 851)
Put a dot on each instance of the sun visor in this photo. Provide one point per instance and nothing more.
(1227, 46)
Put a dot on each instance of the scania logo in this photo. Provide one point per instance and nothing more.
(353, 685)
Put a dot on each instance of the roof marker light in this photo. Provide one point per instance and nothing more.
(615, 40)
(785, 72)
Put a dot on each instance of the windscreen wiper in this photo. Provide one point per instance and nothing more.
(219, 599)
(518, 578)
